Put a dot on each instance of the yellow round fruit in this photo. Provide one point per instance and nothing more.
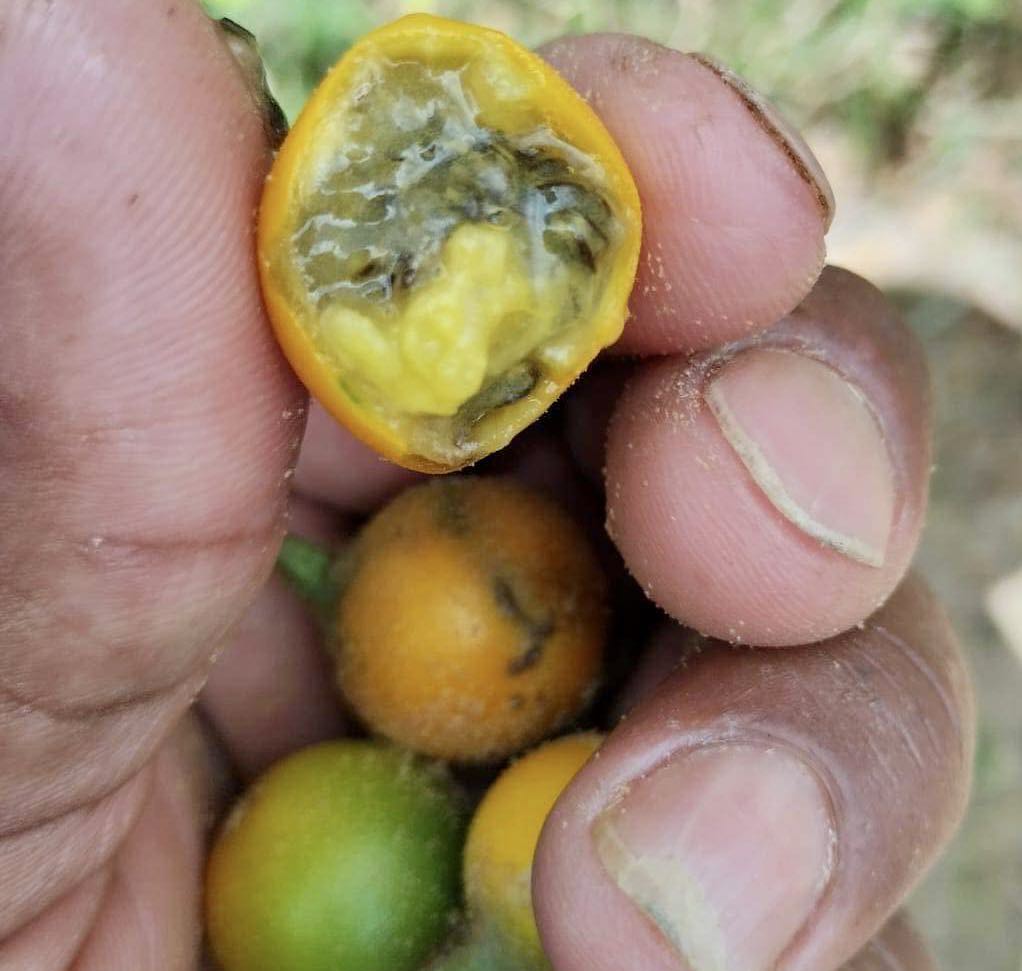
(471, 620)
(502, 841)
(447, 238)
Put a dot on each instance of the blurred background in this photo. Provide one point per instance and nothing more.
(914, 107)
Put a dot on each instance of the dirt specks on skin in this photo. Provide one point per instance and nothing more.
(677, 399)
(637, 56)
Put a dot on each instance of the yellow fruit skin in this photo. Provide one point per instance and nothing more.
(513, 73)
(473, 622)
(503, 835)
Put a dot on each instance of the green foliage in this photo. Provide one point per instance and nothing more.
(873, 68)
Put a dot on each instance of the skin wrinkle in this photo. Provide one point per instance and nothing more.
(93, 890)
(114, 548)
(86, 806)
(926, 670)
(114, 880)
(133, 749)
(924, 831)
(144, 928)
(58, 430)
(141, 559)
(105, 655)
(170, 816)
(881, 761)
(77, 855)
(871, 703)
(895, 719)
(52, 447)
(109, 888)
(75, 715)
(137, 915)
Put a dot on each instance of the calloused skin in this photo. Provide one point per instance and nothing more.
(149, 429)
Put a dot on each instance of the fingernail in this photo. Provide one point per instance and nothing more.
(812, 444)
(782, 131)
(245, 50)
(727, 850)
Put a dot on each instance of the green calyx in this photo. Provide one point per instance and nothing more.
(316, 574)
(308, 568)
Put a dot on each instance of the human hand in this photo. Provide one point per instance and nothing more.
(149, 429)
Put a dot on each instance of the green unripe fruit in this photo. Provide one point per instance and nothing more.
(342, 857)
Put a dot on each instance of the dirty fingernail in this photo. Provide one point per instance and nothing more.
(245, 50)
(727, 850)
(781, 130)
(812, 444)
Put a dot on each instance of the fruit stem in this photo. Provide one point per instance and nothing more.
(308, 569)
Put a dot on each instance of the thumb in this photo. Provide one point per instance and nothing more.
(146, 418)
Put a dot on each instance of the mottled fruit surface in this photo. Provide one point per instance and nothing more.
(471, 621)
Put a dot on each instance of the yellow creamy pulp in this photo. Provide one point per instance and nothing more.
(480, 314)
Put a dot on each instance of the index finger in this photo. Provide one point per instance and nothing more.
(735, 204)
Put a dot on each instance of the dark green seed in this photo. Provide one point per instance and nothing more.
(446, 180)
(505, 390)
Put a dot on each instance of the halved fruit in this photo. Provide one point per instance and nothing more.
(448, 237)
